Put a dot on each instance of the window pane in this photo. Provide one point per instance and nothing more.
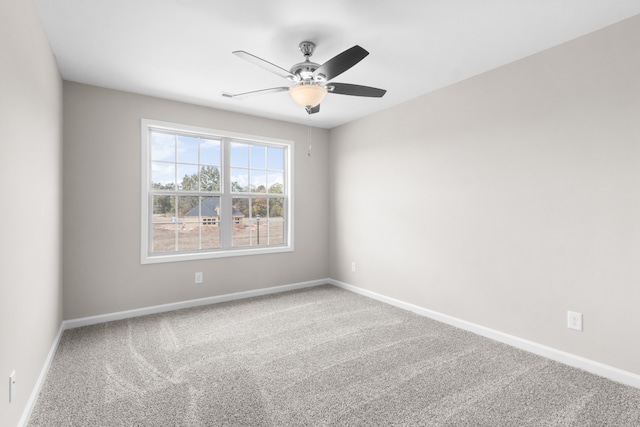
(258, 157)
(258, 181)
(239, 154)
(259, 213)
(163, 232)
(163, 208)
(210, 235)
(163, 176)
(209, 152)
(209, 178)
(210, 222)
(240, 207)
(260, 235)
(241, 222)
(163, 146)
(276, 207)
(163, 237)
(188, 177)
(276, 158)
(188, 223)
(188, 207)
(187, 149)
(210, 209)
(276, 231)
(239, 180)
(259, 207)
(276, 221)
(275, 182)
(188, 235)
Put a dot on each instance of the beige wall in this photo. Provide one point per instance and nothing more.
(102, 270)
(507, 199)
(30, 211)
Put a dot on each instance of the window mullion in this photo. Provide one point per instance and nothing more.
(200, 220)
(226, 220)
(176, 234)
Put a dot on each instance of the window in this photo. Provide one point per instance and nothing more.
(209, 193)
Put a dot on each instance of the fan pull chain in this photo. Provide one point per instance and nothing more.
(309, 136)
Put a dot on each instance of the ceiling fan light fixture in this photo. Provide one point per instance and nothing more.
(307, 95)
(313, 81)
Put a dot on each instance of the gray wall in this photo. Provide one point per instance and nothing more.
(30, 212)
(102, 270)
(507, 199)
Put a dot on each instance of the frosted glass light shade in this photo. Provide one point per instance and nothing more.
(307, 95)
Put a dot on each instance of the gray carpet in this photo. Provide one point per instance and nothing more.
(312, 357)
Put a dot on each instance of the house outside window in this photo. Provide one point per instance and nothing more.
(209, 193)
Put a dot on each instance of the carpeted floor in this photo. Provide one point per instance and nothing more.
(313, 357)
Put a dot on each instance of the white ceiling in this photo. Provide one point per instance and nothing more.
(181, 49)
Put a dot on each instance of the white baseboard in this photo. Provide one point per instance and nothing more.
(597, 368)
(92, 320)
(24, 419)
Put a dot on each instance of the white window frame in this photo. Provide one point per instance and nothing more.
(147, 257)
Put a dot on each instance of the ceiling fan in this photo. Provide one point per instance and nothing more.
(312, 81)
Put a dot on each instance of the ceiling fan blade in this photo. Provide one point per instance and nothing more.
(341, 63)
(265, 64)
(313, 110)
(355, 90)
(255, 92)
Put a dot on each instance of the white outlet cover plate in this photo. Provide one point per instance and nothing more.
(574, 320)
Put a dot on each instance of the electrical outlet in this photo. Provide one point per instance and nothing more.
(353, 266)
(199, 277)
(574, 320)
(12, 386)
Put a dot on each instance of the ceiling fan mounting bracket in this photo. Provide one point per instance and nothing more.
(307, 48)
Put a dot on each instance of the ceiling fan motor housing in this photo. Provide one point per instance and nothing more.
(305, 69)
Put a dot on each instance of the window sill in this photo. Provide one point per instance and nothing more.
(193, 256)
